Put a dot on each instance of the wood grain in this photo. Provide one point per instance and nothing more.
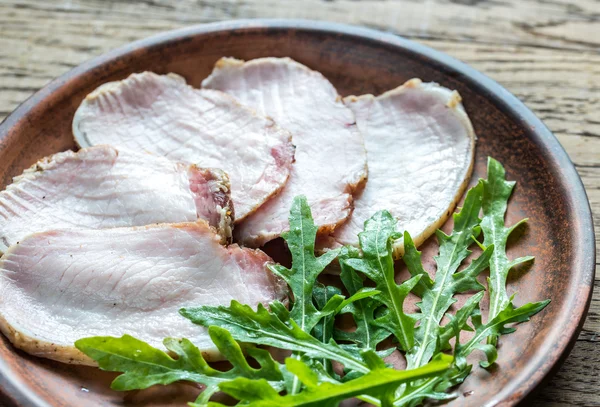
(547, 52)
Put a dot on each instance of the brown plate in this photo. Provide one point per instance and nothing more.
(356, 60)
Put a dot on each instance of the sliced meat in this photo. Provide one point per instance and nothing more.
(59, 286)
(100, 187)
(330, 154)
(162, 115)
(420, 145)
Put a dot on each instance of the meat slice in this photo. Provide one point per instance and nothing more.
(330, 154)
(162, 115)
(420, 145)
(101, 187)
(60, 286)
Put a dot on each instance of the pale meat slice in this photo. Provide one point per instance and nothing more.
(420, 147)
(101, 187)
(59, 286)
(162, 115)
(330, 154)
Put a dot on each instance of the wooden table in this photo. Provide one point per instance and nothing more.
(545, 52)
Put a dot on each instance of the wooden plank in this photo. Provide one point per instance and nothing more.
(577, 382)
(554, 24)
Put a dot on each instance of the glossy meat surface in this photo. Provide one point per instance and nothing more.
(59, 286)
(330, 154)
(162, 115)
(102, 187)
(420, 146)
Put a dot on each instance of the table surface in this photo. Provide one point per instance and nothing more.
(546, 52)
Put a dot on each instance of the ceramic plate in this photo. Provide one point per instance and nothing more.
(357, 61)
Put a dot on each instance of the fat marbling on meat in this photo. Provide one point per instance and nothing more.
(420, 147)
(162, 115)
(102, 187)
(330, 154)
(59, 286)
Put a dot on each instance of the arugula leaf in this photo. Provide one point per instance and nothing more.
(380, 383)
(323, 330)
(458, 322)
(365, 292)
(280, 310)
(322, 296)
(377, 264)
(496, 193)
(302, 277)
(412, 260)
(144, 366)
(306, 267)
(265, 328)
(494, 328)
(438, 295)
(367, 334)
(416, 392)
(435, 388)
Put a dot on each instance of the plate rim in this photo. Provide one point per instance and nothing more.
(18, 393)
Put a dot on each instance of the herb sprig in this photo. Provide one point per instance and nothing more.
(435, 362)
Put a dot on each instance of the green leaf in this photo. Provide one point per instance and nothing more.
(458, 322)
(144, 366)
(367, 334)
(280, 310)
(365, 292)
(433, 388)
(494, 328)
(436, 388)
(250, 390)
(326, 297)
(412, 260)
(265, 328)
(377, 264)
(438, 295)
(329, 300)
(416, 392)
(496, 193)
(380, 383)
(306, 267)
